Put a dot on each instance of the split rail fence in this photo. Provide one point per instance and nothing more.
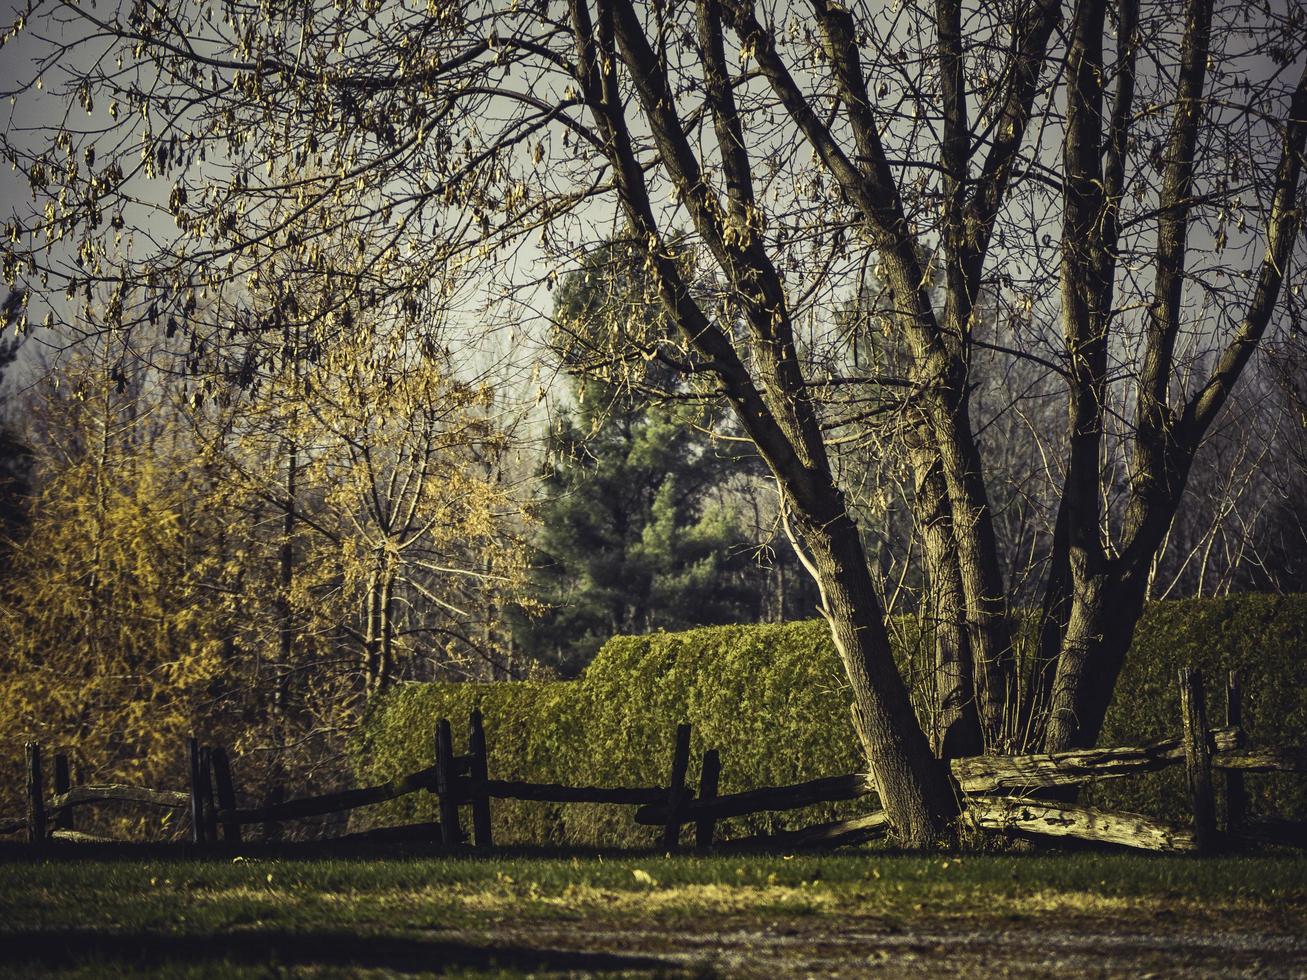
(996, 793)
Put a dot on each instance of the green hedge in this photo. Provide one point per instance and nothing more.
(773, 700)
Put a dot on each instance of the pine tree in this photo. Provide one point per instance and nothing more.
(642, 513)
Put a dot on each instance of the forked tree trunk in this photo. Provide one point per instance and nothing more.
(765, 386)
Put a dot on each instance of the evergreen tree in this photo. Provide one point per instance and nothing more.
(642, 527)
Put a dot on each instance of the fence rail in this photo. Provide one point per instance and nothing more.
(994, 792)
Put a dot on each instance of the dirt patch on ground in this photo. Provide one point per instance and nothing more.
(833, 946)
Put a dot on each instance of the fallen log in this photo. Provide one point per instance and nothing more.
(116, 793)
(988, 773)
(313, 806)
(12, 825)
(1048, 819)
(830, 789)
(502, 789)
(839, 833)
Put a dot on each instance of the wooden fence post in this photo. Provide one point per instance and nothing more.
(676, 787)
(1198, 758)
(35, 795)
(62, 784)
(1236, 795)
(209, 808)
(231, 828)
(480, 774)
(197, 800)
(274, 796)
(450, 833)
(708, 777)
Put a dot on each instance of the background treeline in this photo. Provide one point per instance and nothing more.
(785, 717)
(247, 550)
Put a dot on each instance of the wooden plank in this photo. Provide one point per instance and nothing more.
(839, 833)
(80, 837)
(829, 789)
(1236, 794)
(450, 832)
(62, 820)
(1049, 819)
(116, 793)
(709, 773)
(503, 789)
(197, 801)
(313, 806)
(1198, 758)
(1289, 758)
(226, 793)
(676, 787)
(479, 772)
(36, 816)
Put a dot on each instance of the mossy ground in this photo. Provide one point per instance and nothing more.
(406, 911)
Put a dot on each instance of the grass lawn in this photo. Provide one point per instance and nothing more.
(401, 911)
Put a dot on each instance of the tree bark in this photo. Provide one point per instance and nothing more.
(957, 723)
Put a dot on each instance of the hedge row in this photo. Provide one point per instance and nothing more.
(773, 700)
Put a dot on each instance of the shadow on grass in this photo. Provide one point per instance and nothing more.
(14, 852)
(74, 947)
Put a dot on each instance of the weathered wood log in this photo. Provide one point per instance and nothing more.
(1046, 818)
(988, 774)
(676, 788)
(710, 771)
(115, 793)
(1236, 795)
(505, 789)
(36, 815)
(314, 806)
(63, 820)
(1198, 758)
(197, 799)
(829, 789)
(479, 773)
(839, 833)
(226, 793)
(80, 837)
(450, 832)
(1289, 758)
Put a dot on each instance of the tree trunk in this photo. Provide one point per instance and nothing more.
(915, 788)
(957, 723)
(1104, 613)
